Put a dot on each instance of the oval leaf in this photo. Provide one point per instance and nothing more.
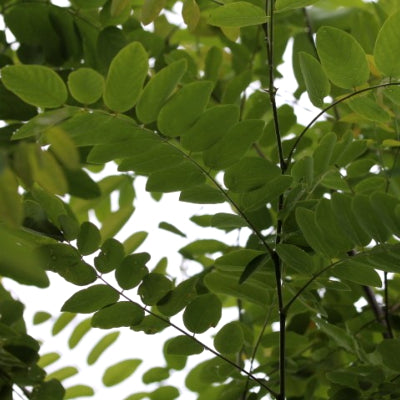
(125, 78)
(35, 84)
(91, 299)
(342, 58)
(120, 371)
(86, 85)
(183, 346)
(202, 313)
(229, 339)
(237, 14)
(120, 314)
(88, 238)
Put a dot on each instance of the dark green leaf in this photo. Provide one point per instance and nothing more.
(183, 346)
(229, 339)
(153, 288)
(202, 313)
(111, 254)
(132, 270)
(252, 266)
(91, 299)
(170, 228)
(88, 238)
(389, 349)
(117, 315)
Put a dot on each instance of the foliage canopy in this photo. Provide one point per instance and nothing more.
(194, 109)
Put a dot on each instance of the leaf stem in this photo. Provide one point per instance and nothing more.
(326, 109)
(176, 327)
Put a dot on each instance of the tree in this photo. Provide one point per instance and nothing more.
(87, 84)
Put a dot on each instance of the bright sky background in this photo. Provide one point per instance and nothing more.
(159, 244)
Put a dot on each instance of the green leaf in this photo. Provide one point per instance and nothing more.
(229, 339)
(178, 298)
(250, 173)
(62, 321)
(203, 246)
(165, 393)
(173, 179)
(357, 273)
(315, 79)
(86, 85)
(284, 5)
(40, 317)
(125, 78)
(156, 374)
(191, 14)
(368, 107)
(234, 144)
(170, 228)
(76, 391)
(113, 223)
(296, 258)
(35, 84)
(151, 9)
(101, 346)
(200, 137)
(50, 390)
(252, 266)
(153, 288)
(132, 270)
(88, 238)
(237, 14)
(79, 332)
(120, 371)
(202, 194)
(134, 241)
(183, 346)
(111, 254)
(10, 201)
(183, 108)
(227, 221)
(387, 46)
(158, 89)
(342, 58)
(91, 299)
(389, 349)
(202, 313)
(48, 359)
(62, 373)
(117, 315)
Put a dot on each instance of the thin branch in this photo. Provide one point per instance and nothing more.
(326, 109)
(176, 327)
(386, 309)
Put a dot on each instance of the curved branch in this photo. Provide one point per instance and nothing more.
(332, 105)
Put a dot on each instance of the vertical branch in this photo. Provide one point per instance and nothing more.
(269, 38)
(386, 309)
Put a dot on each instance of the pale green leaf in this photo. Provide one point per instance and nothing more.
(158, 89)
(86, 85)
(191, 14)
(387, 46)
(79, 332)
(35, 84)
(76, 391)
(237, 14)
(120, 371)
(183, 108)
(134, 241)
(284, 5)
(101, 346)
(125, 78)
(151, 9)
(342, 57)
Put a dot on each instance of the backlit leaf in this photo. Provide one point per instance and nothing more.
(101, 346)
(35, 84)
(79, 331)
(86, 85)
(120, 371)
(237, 14)
(191, 13)
(387, 45)
(76, 391)
(134, 241)
(159, 88)
(183, 108)
(284, 5)
(62, 373)
(88, 238)
(229, 339)
(125, 77)
(342, 57)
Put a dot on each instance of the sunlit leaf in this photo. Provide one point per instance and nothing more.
(120, 371)
(101, 346)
